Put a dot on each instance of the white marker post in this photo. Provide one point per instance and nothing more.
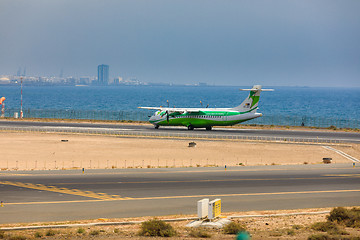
(202, 208)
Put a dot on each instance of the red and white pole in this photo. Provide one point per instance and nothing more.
(21, 111)
(3, 109)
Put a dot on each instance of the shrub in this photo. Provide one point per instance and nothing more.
(338, 214)
(355, 224)
(116, 230)
(319, 237)
(156, 228)
(50, 232)
(234, 228)
(276, 233)
(349, 217)
(199, 233)
(339, 232)
(94, 232)
(296, 227)
(290, 232)
(38, 235)
(329, 227)
(17, 238)
(324, 226)
(2, 234)
(81, 231)
(332, 127)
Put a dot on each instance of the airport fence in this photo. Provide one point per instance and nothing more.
(143, 115)
(183, 135)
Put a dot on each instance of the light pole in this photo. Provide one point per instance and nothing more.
(21, 111)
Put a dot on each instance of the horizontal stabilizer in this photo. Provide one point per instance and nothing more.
(256, 88)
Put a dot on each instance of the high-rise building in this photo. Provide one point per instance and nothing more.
(103, 74)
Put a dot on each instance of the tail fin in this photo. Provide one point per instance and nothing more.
(250, 104)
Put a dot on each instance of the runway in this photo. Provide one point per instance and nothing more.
(182, 131)
(72, 195)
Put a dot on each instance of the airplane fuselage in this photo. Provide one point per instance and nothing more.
(204, 118)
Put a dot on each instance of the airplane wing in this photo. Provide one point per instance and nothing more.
(173, 110)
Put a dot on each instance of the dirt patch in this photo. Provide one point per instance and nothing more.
(42, 151)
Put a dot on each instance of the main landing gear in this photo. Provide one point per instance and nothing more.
(190, 127)
(156, 126)
(208, 128)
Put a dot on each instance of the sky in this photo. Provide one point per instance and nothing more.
(223, 42)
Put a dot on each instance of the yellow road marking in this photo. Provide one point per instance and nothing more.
(190, 196)
(14, 174)
(343, 175)
(77, 192)
(249, 194)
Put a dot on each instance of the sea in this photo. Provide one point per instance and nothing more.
(301, 102)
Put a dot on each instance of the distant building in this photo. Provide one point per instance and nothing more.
(118, 80)
(130, 81)
(103, 74)
(84, 80)
(70, 81)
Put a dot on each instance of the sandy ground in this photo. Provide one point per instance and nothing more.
(275, 227)
(38, 151)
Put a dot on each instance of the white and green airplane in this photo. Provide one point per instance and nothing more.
(209, 117)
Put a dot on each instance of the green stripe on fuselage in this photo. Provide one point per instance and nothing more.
(202, 119)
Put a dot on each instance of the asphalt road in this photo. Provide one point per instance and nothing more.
(322, 135)
(73, 195)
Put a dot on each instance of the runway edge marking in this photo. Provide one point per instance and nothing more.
(77, 192)
(342, 154)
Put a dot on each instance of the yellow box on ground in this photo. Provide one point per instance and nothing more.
(214, 208)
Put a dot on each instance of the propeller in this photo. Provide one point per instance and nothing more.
(167, 112)
(167, 115)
